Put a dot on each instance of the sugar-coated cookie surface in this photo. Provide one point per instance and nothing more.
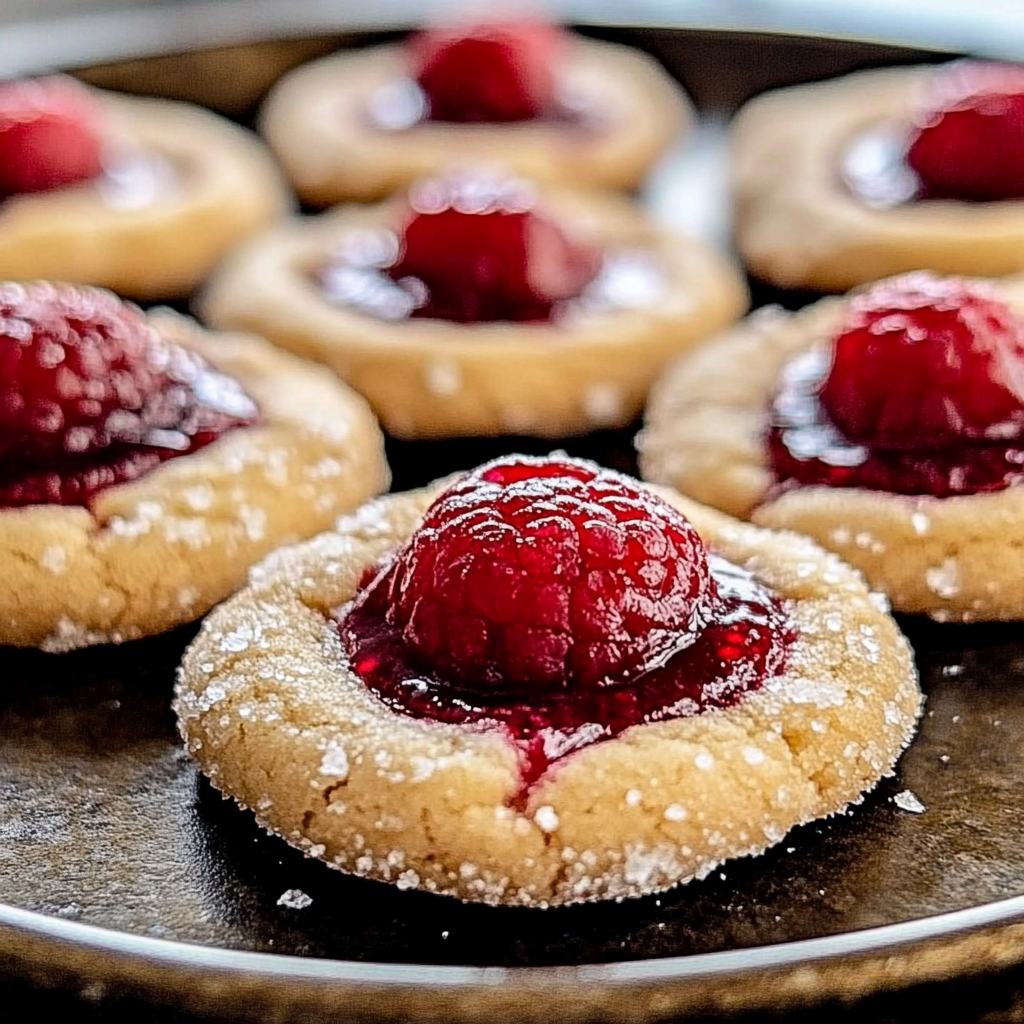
(435, 378)
(218, 184)
(318, 121)
(271, 709)
(959, 558)
(799, 225)
(161, 550)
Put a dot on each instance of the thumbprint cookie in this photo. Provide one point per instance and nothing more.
(545, 683)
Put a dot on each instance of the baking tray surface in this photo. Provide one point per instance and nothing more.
(120, 866)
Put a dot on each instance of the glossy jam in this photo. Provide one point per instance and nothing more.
(745, 646)
(356, 276)
(77, 479)
(806, 448)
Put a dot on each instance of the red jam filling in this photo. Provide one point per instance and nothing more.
(473, 249)
(497, 72)
(51, 135)
(921, 392)
(91, 396)
(561, 604)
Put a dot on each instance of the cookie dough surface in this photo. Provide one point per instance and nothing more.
(214, 183)
(798, 225)
(270, 707)
(163, 549)
(956, 558)
(432, 378)
(318, 121)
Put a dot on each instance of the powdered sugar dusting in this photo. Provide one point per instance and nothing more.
(54, 559)
(675, 812)
(442, 377)
(68, 635)
(907, 801)
(603, 404)
(944, 579)
(546, 818)
(335, 762)
(294, 899)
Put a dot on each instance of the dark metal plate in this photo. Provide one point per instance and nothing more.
(105, 824)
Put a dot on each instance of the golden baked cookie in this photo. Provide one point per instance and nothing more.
(177, 187)
(352, 126)
(579, 810)
(825, 198)
(954, 546)
(88, 559)
(634, 295)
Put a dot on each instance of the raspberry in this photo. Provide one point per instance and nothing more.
(90, 393)
(535, 574)
(476, 250)
(50, 135)
(923, 362)
(498, 72)
(970, 145)
(75, 482)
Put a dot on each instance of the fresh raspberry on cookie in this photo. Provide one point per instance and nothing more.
(146, 464)
(51, 135)
(477, 249)
(493, 72)
(921, 391)
(888, 425)
(970, 144)
(922, 361)
(90, 395)
(549, 574)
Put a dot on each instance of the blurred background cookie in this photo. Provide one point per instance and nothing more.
(524, 95)
(136, 194)
(846, 181)
(482, 305)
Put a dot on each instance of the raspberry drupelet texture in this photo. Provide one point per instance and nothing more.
(970, 144)
(496, 72)
(539, 575)
(923, 360)
(51, 135)
(921, 392)
(90, 395)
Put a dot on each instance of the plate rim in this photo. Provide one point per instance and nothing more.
(63, 954)
(890, 938)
